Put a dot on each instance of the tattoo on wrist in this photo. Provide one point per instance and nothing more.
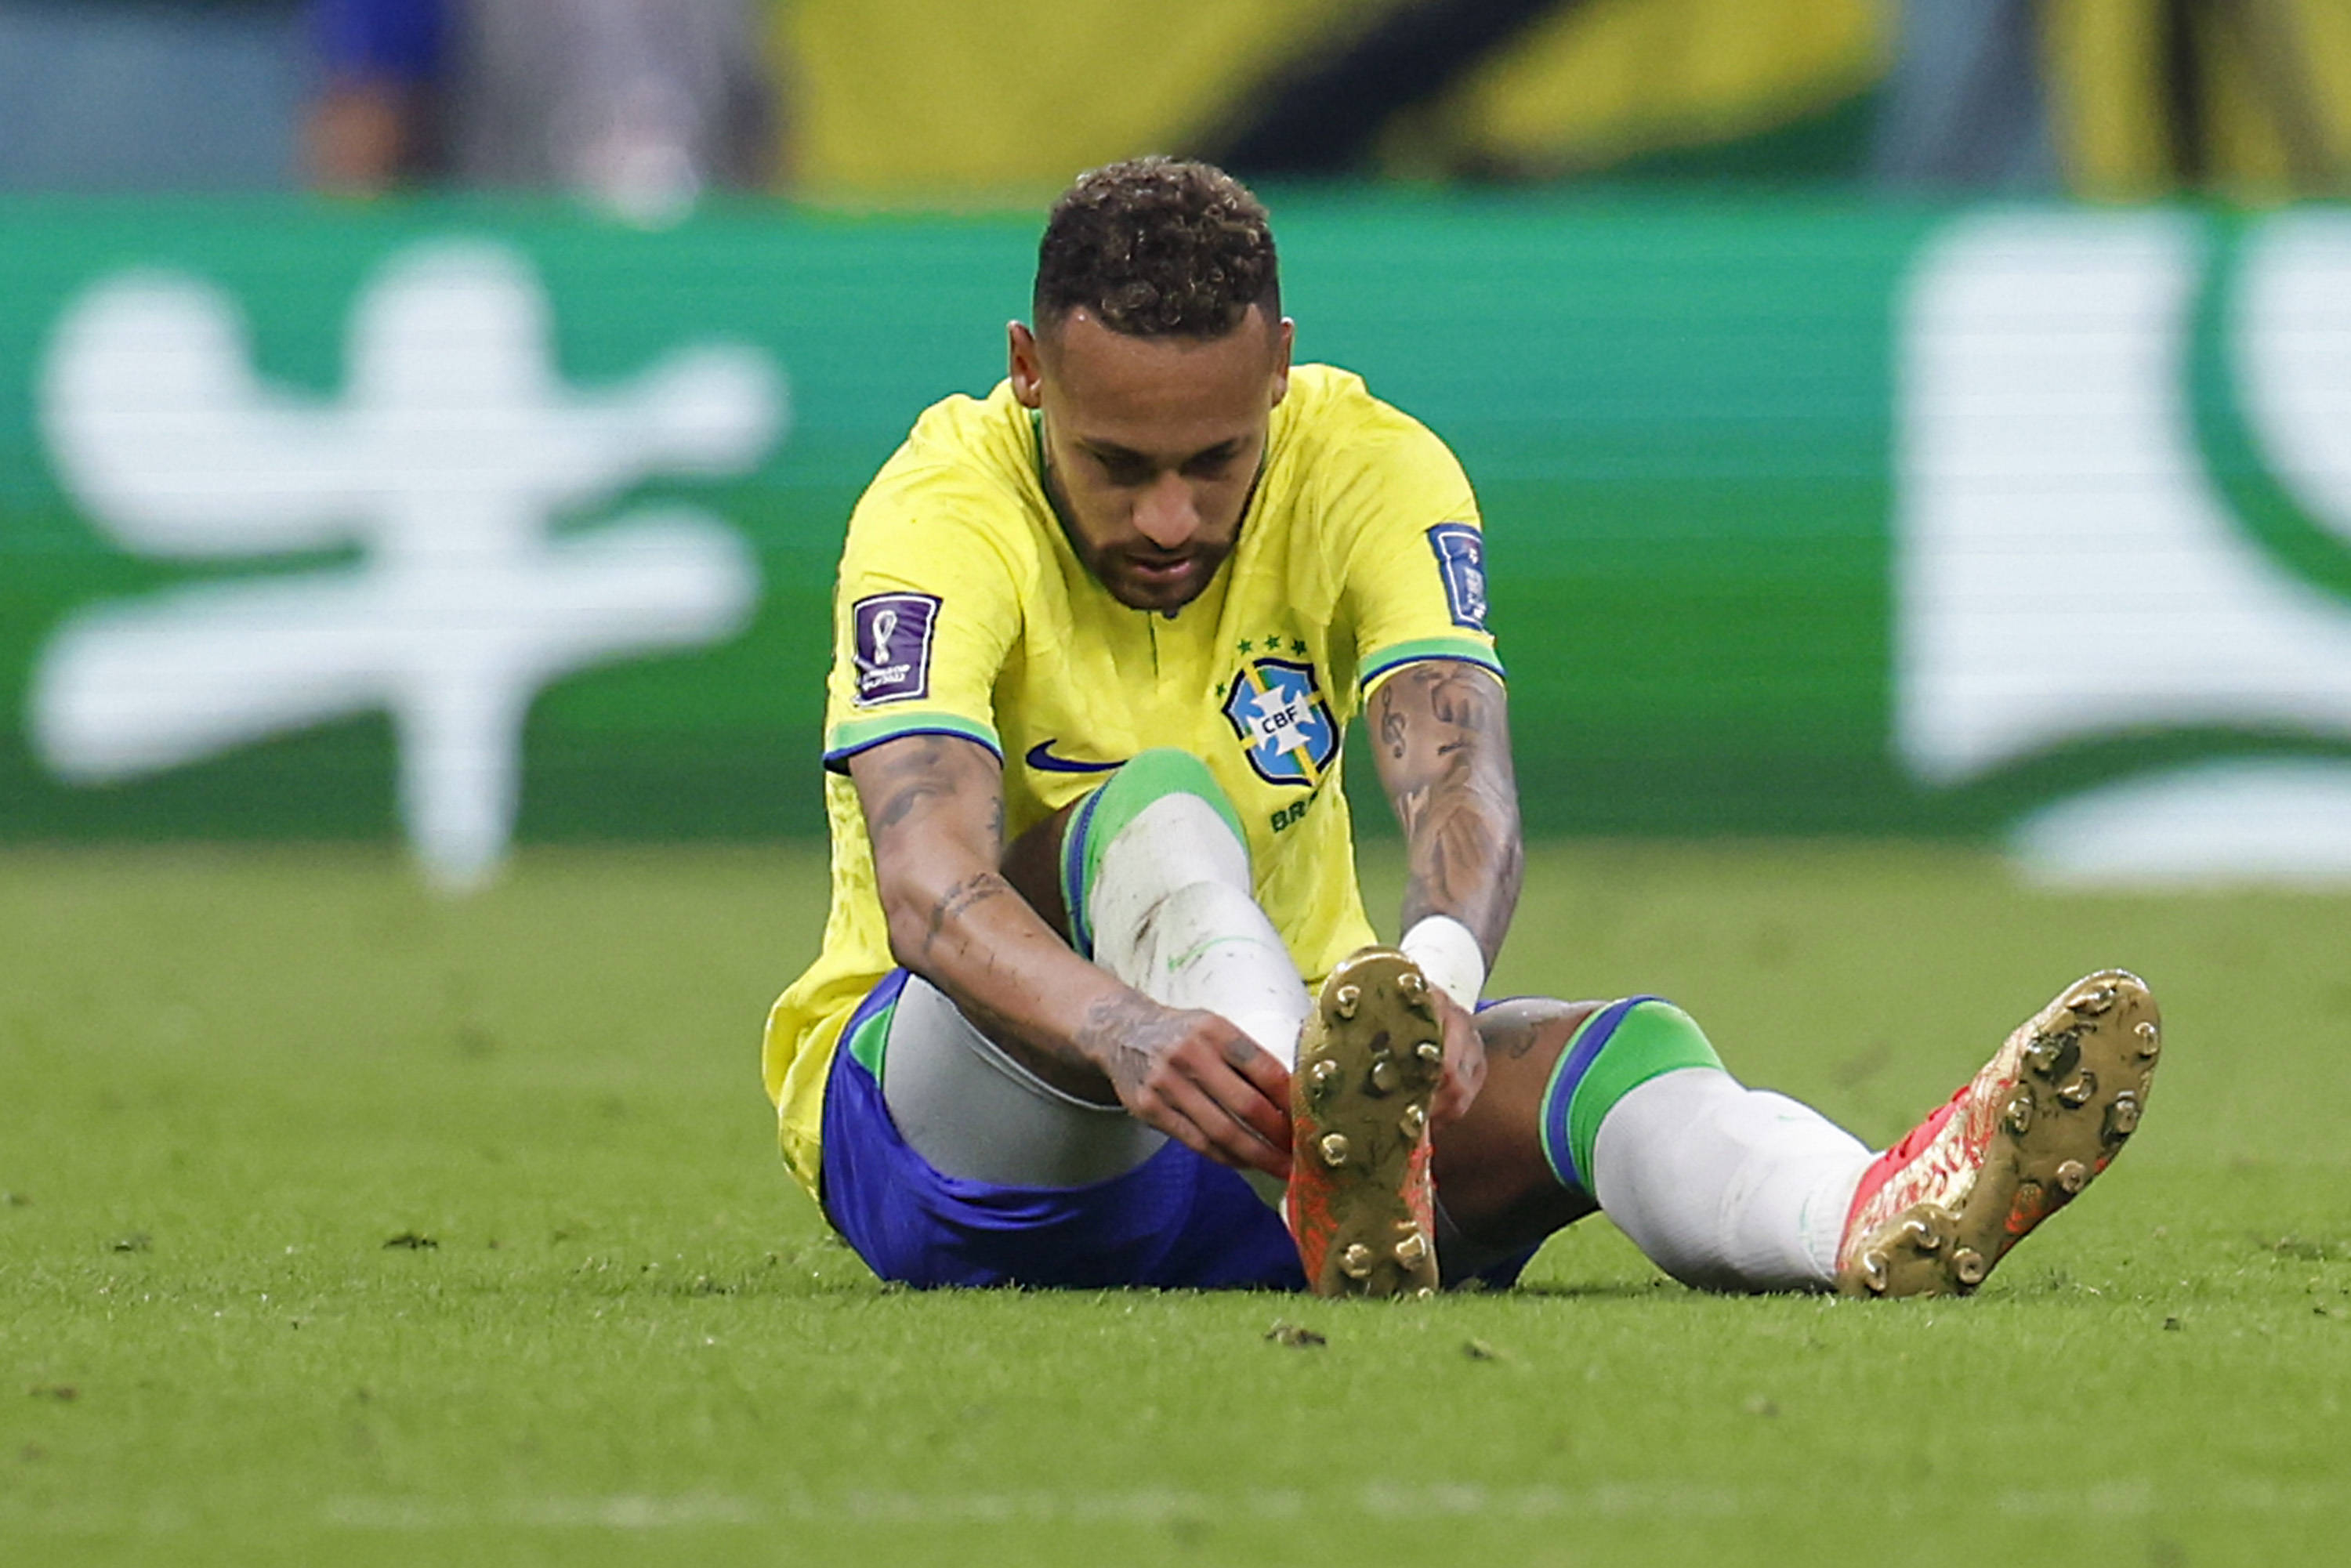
(975, 889)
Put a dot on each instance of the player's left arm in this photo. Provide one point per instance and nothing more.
(1411, 554)
(1441, 735)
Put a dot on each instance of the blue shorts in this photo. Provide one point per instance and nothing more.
(1178, 1221)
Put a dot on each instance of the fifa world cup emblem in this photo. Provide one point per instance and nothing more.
(890, 668)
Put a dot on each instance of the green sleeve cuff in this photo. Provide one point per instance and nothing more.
(850, 737)
(1384, 662)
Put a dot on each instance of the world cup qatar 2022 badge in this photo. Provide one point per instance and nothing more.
(892, 654)
(1461, 562)
(1277, 709)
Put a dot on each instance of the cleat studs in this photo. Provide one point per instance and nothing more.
(2072, 1177)
(2122, 1117)
(1875, 1274)
(2149, 1041)
(1413, 988)
(1429, 1051)
(1356, 1261)
(1969, 1268)
(2041, 1055)
(2018, 1116)
(2077, 1094)
(1411, 1249)
(1385, 1074)
(1346, 999)
(1334, 1149)
(2092, 1003)
(1921, 1234)
(1413, 1123)
(1326, 1072)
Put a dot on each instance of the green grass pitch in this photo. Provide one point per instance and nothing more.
(346, 1224)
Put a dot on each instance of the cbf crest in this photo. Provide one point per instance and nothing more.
(1275, 707)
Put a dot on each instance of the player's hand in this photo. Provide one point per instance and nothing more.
(1197, 1078)
(1465, 1061)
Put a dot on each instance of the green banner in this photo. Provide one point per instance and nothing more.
(473, 522)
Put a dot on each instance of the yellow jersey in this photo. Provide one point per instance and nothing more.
(961, 608)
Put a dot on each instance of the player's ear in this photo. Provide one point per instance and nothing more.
(1028, 367)
(1285, 334)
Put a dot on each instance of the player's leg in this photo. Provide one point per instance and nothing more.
(1625, 1106)
(1149, 875)
(950, 1158)
(1086, 1205)
(1156, 888)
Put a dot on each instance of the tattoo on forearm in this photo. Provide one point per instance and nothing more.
(976, 889)
(1447, 737)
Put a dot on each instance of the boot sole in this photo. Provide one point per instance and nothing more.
(2081, 1086)
(1368, 1066)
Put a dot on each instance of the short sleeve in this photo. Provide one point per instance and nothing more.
(927, 608)
(1414, 577)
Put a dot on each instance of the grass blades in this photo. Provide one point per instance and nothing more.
(339, 1222)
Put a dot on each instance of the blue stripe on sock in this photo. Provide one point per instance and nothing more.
(1073, 875)
(1589, 1043)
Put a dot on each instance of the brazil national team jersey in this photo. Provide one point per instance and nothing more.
(961, 610)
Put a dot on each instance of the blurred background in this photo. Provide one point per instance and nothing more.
(1914, 417)
(916, 100)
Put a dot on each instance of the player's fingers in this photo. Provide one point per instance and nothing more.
(1231, 1140)
(1260, 1067)
(1265, 1122)
(1465, 1069)
(1154, 1110)
(1256, 1089)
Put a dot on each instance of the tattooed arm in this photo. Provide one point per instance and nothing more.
(934, 809)
(1442, 736)
(1444, 748)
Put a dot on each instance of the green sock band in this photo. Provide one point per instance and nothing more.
(1152, 776)
(1613, 1052)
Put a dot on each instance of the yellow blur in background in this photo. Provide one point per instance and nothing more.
(918, 99)
(911, 96)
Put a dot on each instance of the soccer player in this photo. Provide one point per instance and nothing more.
(1098, 1003)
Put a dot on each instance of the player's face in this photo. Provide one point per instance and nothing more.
(1152, 444)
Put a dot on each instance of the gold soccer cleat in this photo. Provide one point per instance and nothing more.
(1360, 1204)
(2049, 1111)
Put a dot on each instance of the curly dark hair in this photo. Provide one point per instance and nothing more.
(1157, 248)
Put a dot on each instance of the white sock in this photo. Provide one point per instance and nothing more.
(1174, 915)
(1726, 1187)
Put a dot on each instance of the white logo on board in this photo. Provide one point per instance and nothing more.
(2068, 568)
(453, 450)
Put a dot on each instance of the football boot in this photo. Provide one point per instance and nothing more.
(1936, 1212)
(1360, 1204)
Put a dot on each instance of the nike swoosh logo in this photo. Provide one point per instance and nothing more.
(1040, 756)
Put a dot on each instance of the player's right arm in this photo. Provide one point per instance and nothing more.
(934, 807)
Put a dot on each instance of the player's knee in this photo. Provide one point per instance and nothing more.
(1164, 770)
(1175, 783)
(1176, 823)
